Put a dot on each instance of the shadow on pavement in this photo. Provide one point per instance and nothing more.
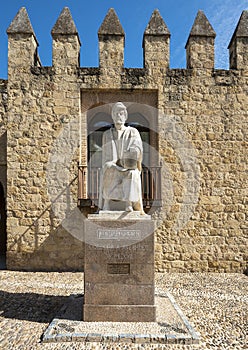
(30, 306)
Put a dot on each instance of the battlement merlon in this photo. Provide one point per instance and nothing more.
(66, 41)
(23, 45)
(238, 46)
(200, 44)
(156, 43)
(111, 39)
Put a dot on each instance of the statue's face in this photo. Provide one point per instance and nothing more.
(119, 117)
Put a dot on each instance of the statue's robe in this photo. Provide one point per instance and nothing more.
(119, 182)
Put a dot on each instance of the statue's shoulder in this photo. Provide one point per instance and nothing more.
(133, 131)
(108, 131)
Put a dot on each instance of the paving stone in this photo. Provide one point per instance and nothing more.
(215, 304)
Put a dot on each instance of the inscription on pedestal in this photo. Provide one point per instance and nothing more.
(118, 269)
(118, 234)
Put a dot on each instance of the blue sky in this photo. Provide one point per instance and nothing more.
(134, 15)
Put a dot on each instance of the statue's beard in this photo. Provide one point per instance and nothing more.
(119, 126)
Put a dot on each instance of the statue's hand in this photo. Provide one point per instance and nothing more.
(108, 165)
(119, 163)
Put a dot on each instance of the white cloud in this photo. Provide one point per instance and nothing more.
(224, 17)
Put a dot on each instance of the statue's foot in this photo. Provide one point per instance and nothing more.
(129, 208)
(106, 205)
(138, 207)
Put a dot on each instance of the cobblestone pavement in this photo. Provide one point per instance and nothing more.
(215, 304)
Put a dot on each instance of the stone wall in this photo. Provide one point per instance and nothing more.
(3, 132)
(212, 111)
(201, 136)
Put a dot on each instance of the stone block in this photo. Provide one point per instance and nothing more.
(119, 313)
(119, 268)
(118, 293)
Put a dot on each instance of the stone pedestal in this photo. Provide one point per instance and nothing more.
(119, 268)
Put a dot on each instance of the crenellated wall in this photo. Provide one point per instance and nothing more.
(202, 141)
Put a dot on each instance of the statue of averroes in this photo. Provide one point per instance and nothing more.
(122, 153)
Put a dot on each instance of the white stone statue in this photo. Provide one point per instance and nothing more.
(122, 153)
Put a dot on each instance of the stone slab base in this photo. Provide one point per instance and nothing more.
(171, 326)
(119, 313)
